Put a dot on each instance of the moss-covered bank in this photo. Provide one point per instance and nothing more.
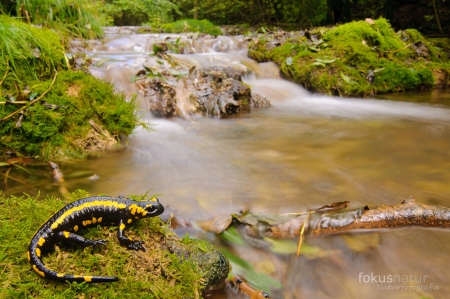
(170, 268)
(355, 59)
(54, 117)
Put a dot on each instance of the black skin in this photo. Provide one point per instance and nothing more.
(103, 210)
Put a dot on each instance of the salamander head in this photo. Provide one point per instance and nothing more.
(152, 207)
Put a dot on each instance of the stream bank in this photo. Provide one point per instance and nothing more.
(360, 58)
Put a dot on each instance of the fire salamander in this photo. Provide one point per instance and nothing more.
(104, 210)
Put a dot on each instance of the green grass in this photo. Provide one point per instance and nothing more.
(27, 52)
(69, 17)
(155, 273)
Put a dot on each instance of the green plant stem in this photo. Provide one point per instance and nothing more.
(34, 101)
(437, 17)
(6, 73)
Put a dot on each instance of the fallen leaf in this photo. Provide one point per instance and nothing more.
(216, 225)
(282, 246)
(362, 242)
(335, 206)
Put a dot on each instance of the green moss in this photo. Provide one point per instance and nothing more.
(54, 133)
(189, 25)
(342, 59)
(156, 273)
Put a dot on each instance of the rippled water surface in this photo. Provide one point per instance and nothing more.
(304, 152)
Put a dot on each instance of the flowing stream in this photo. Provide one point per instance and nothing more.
(304, 152)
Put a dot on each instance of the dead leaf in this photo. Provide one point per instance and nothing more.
(335, 206)
(362, 242)
(216, 225)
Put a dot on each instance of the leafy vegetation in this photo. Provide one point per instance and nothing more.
(125, 12)
(356, 58)
(155, 273)
(69, 17)
(190, 25)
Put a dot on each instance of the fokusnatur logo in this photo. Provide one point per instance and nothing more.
(398, 282)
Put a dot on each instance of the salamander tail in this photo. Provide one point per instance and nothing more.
(42, 270)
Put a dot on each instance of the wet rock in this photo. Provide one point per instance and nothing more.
(211, 262)
(215, 91)
(218, 91)
(259, 101)
(160, 96)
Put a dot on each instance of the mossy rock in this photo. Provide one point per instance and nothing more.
(57, 126)
(169, 268)
(354, 59)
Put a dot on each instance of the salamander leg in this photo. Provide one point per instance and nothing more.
(124, 240)
(79, 239)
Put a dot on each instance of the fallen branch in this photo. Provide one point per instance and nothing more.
(34, 101)
(408, 213)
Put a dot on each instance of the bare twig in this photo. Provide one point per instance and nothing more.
(7, 176)
(15, 102)
(401, 48)
(34, 101)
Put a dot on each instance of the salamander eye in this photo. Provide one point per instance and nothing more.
(154, 209)
(151, 209)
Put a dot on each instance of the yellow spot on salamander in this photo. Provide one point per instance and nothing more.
(94, 220)
(144, 213)
(66, 234)
(38, 271)
(153, 199)
(122, 226)
(75, 228)
(130, 220)
(38, 252)
(60, 274)
(88, 278)
(99, 220)
(87, 222)
(97, 203)
(28, 255)
(41, 241)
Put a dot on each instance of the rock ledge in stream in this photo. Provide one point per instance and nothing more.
(215, 91)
